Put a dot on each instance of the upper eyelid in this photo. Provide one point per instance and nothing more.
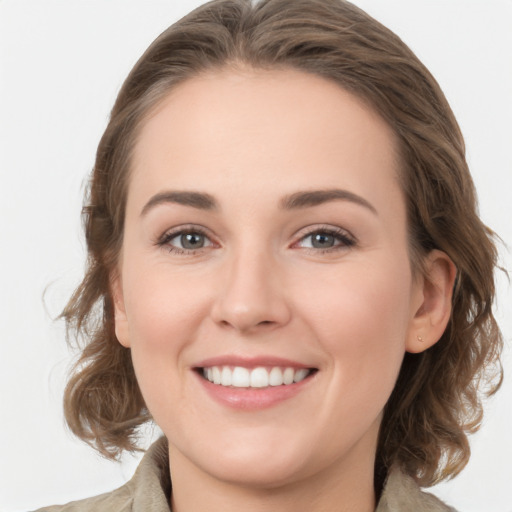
(170, 233)
(327, 228)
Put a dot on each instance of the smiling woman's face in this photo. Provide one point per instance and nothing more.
(265, 241)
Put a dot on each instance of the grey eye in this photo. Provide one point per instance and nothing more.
(185, 241)
(326, 239)
(191, 240)
(322, 240)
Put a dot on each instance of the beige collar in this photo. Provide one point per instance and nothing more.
(150, 485)
(401, 493)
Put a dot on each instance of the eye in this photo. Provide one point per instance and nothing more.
(326, 239)
(185, 241)
(322, 240)
(189, 241)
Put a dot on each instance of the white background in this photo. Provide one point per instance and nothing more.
(61, 65)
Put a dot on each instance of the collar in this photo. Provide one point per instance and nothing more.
(151, 485)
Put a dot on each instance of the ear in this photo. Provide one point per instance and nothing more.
(120, 318)
(435, 289)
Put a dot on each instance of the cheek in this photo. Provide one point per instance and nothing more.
(161, 326)
(160, 307)
(361, 318)
(163, 314)
(372, 300)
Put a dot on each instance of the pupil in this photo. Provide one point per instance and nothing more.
(192, 241)
(322, 240)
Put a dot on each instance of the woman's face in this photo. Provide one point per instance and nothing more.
(265, 241)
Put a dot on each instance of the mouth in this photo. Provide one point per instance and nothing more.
(256, 378)
(252, 383)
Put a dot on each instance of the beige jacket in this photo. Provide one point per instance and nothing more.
(148, 489)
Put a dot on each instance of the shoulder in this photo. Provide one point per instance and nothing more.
(148, 489)
(402, 494)
(119, 500)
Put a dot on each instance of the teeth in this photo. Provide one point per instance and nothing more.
(300, 375)
(288, 376)
(275, 377)
(260, 377)
(240, 377)
(226, 377)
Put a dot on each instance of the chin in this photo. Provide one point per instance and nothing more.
(249, 460)
(258, 472)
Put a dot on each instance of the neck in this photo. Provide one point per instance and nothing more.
(330, 490)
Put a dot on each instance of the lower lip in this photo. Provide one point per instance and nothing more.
(252, 398)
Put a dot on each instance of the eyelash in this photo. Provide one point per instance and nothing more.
(343, 238)
(165, 239)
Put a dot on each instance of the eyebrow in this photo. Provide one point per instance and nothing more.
(198, 200)
(298, 200)
(316, 197)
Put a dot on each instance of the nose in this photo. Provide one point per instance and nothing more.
(251, 297)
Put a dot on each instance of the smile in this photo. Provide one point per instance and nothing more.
(259, 377)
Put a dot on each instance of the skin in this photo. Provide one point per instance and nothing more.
(258, 287)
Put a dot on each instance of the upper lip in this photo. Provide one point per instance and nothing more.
(250, 362)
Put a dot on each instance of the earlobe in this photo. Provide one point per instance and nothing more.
(120, 318)
(433, 314)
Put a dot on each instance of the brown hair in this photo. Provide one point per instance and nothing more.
(437, 398)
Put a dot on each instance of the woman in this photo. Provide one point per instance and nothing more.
(295, 284)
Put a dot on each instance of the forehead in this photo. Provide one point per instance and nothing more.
(239, 128)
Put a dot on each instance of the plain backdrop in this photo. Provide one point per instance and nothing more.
(61, 65)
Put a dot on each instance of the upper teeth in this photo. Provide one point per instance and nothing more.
(260, 377)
